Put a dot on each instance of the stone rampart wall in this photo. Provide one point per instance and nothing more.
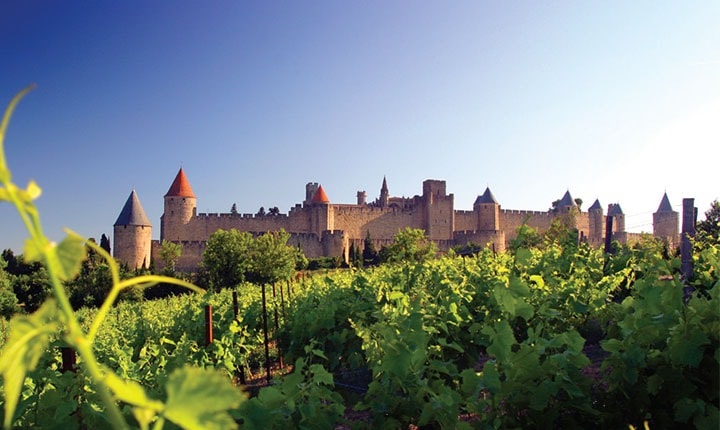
(382, 223)
(466, 220)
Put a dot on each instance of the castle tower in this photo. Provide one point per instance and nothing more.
(596, 226)
(132, 235)
(321, 213)
(666, 221)
(384, 194)
(310, 190)
(180, 209)
(616, 212)
(488, 211)
(439, 210)
(361, 198)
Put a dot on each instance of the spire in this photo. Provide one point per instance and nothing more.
(320, 196)
(486, 197)
(384, 194)
(180, 186)
(595, 206)
(132, 213)
(665, 205)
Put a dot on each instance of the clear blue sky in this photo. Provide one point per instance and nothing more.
(609, 100)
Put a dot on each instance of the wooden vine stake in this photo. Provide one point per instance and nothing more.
(69, 359)
(265, 333)
(208, 325)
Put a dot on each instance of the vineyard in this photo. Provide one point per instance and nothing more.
(553, 335)
(556, 337)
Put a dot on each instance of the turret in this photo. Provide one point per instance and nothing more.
(596, 225)
(566, 203)
(310, 190)
(361, 198)
(666, 221)
(439, 210)
(132, 235)
(322, 214)
(616, 212)
(488, 211)
(180, 209)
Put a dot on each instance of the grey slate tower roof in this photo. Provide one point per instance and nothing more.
(665, 205)
(615, 209)
(132, 213)
(567, 200)
(486, 197)
(595, 205)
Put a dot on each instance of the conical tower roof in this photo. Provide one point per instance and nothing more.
(567, 200)
(320, 196)
(180, 186)
(665, 205)
(595, 206)
(486, 197)
(133, 213)
(384, 187)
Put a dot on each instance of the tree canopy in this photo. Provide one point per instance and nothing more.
(226, 257)
(272, 259)
(170, 252)
(708, 230)
(232, 257)
(410, 244)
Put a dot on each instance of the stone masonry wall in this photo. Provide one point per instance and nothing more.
(132, 245)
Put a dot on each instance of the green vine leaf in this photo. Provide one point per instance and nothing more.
(502, 340)
(70, 254)
(200, 398)
(29, 336)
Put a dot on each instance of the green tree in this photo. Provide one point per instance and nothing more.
(32, 289)
(563, 228)
(370, 253)
(410, 244)
(226, 258)
(30, 282)
(170, 253)
(8, 300)
(526, 237)
(105, 243)
(272, 259)
(707, 231)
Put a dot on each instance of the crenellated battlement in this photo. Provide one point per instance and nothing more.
(228, 215)
(521, 212)
(328, 229)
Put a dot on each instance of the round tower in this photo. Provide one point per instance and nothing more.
(322, 216)
(488, 211)
(666, 221)
(180, 209)
(132, 235)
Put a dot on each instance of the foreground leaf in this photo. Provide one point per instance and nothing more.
(29, 336)
(200, 398)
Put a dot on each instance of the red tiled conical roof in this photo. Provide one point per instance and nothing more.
(180, 186)
(320, 196)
